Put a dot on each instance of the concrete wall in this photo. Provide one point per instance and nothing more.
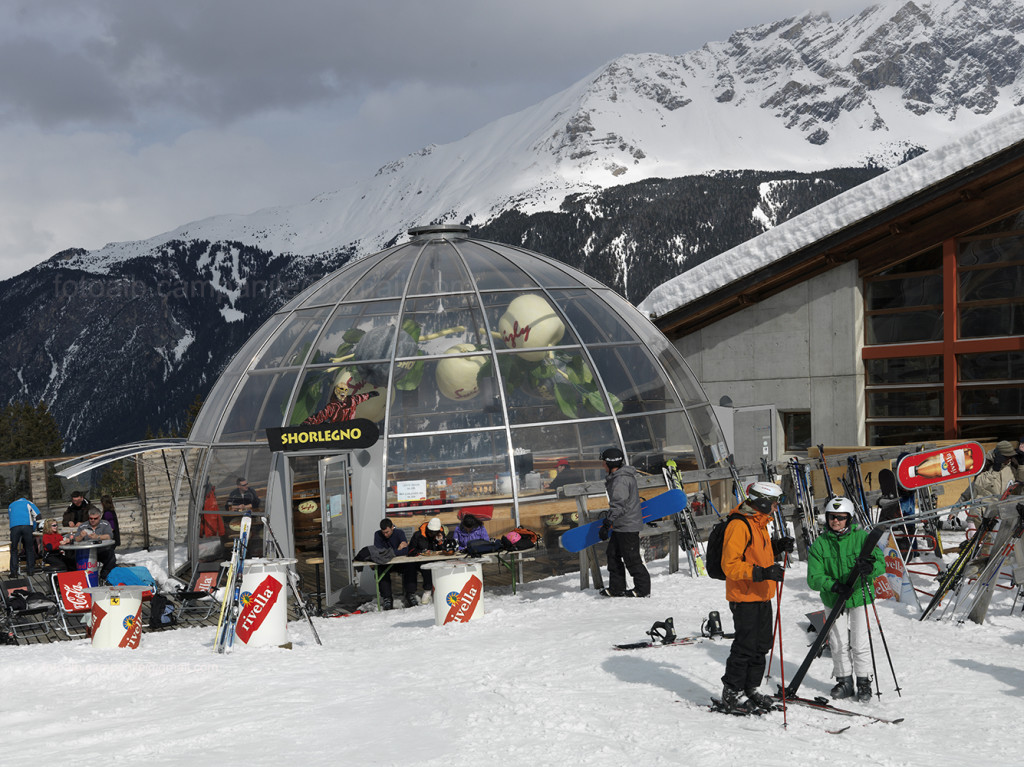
(798, 350)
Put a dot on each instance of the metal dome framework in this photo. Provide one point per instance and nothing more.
(491, 362)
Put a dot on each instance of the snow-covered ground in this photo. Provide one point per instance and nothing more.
(533, 681)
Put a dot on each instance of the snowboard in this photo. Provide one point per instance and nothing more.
(668, 503)
(887, 484)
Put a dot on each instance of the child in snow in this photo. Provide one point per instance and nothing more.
(832, 558)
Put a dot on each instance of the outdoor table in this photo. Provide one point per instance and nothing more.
(85, 554)
(381, 570)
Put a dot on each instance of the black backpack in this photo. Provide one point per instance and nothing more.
(478, 547)
(716, 539)
(161, 612)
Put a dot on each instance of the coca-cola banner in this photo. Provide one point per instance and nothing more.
(942, 465)
(72, 586)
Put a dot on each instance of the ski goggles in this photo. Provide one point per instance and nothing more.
(830, 516)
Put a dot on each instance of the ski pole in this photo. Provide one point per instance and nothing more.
(299, 602)
(777, 627)
(867, 624)
(885, 645)
(782, 663)
(771, 656)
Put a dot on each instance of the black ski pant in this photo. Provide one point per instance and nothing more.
(752, 622)
(408, 571)
(624, 554)
(23, 534)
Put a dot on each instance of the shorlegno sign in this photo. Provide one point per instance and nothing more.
(345, 435)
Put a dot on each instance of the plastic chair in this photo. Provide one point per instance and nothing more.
(199, 596)
(36, 616)
(72, 601)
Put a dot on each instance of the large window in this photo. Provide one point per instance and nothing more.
(796, 427)
(904, 304)
(941, 364)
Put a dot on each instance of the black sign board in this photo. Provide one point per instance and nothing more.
(344, 435)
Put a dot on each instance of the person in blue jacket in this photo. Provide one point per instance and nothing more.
(23, 514)
(833, 557)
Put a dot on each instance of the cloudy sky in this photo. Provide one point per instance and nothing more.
(122, 119)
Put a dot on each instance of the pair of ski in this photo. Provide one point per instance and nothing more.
(688, 538)
(231, 605)
(820, 704)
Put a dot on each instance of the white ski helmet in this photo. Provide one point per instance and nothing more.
(840, 505)
(762, 495)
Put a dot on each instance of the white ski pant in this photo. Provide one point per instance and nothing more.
(848, 640)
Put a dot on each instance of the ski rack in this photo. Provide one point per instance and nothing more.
(987, 579)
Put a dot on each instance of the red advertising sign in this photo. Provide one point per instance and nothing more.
(257, 606)
(72, 586)
(943, 465)
(882, 588)
(207, 581)
(464, 603)
(132, 625)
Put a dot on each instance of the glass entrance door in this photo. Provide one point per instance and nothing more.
(336, 518)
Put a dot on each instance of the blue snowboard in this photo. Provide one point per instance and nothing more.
(666, 504)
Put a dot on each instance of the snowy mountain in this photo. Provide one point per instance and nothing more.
(640, 171)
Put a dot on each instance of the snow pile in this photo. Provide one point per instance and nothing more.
(533, 681)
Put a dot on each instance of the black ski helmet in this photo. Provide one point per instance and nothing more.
(613, 457)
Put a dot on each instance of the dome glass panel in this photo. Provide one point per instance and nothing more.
(482, 368)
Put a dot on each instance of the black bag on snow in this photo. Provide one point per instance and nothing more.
(161, 612)
(713, 550)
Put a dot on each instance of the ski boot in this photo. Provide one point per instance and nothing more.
(734, 702)
(758, 700)
(863, 689)
(843, 688)
(387, 604)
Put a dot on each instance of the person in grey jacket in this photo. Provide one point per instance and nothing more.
(621, 528)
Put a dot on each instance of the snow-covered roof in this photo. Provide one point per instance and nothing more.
(836, 214)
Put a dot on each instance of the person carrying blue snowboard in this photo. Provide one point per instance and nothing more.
(621, 528)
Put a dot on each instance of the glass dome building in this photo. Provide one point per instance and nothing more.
(485, 369)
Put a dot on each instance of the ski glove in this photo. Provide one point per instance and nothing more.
(773, 573)
(780, 545)
(863, 566)
(605, 531)
(838, 587)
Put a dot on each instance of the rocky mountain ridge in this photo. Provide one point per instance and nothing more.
(636, 173)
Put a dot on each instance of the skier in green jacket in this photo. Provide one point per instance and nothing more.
(833, 556)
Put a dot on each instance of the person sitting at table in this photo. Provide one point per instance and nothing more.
(50, 546)
(566, 475)
(95, 529)
(243, 498)
(391, 537)
(429, 539)
(77, 511)
(110, 517)
(470, 529)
